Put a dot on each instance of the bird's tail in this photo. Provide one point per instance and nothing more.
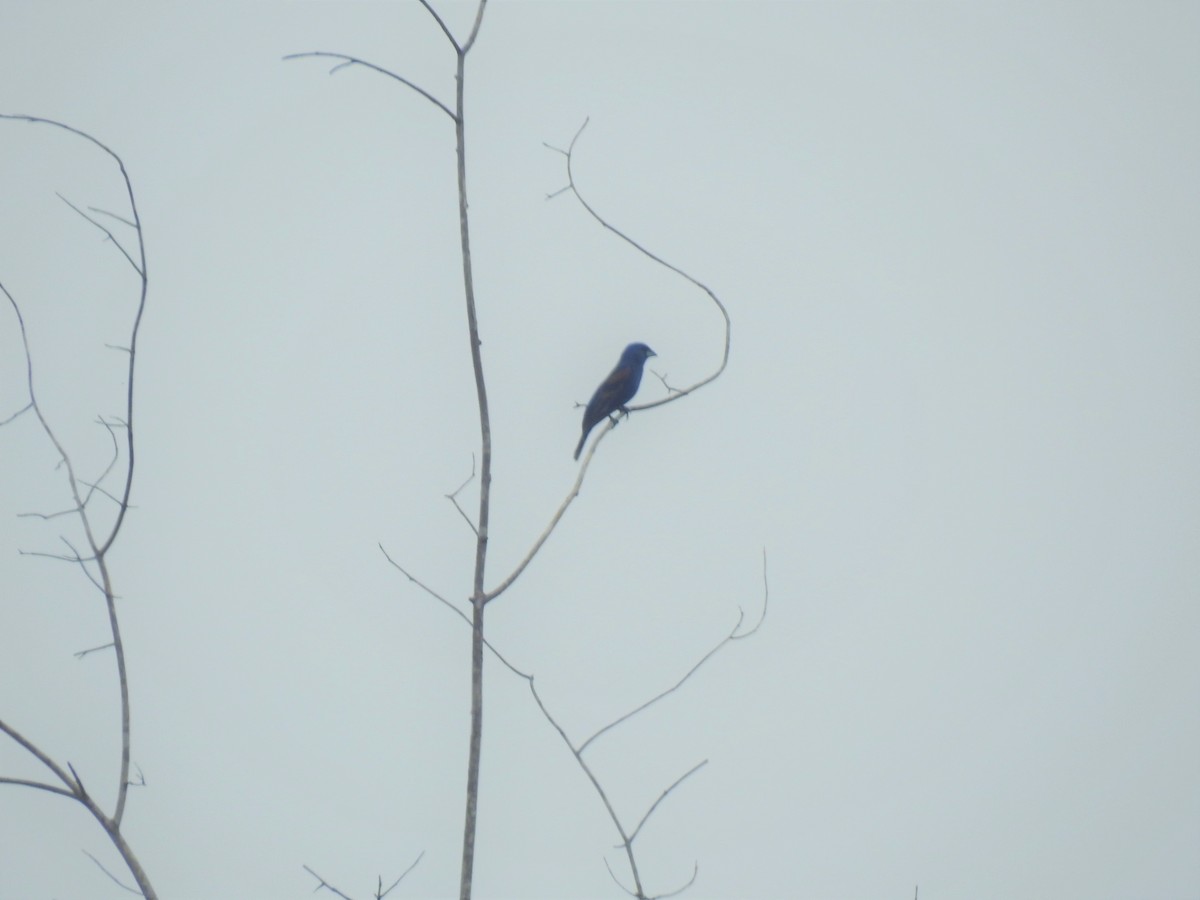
(582, 441)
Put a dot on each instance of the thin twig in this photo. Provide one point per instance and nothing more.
(98, 545)
(673, 393)
(38, 785)
(466, 48)
(80, 654)
(587, 770)
(663, 796)
(24, 409)
(322, 883)
(676, 686)
(422, 585)
(681, 889)
(355, 61)
(454, 609)
(117, 881)
(441, 24)
(617, 881)
(547, 531)
(453, 498)
(111, 237)
(113, 215)
(573, 187)
(380, 894)
(47, 516)
(736, 634)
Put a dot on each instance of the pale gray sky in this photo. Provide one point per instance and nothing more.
(959, 245)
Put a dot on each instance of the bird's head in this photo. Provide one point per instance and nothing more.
(637, 353)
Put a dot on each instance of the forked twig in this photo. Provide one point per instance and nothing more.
(322, 884)
(627, 837)
(98, 543)
(380, 891)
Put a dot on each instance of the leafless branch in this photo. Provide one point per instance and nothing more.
(546, 532)
(117, 881)
(98, 545)
(572, 186)
(422, 585)
(38, 785)
(113, 215)
(355, 61)
(322, 884)
(453, 498)
(663, 796)
(466, 48)
(80, 654)
(617, 881)
(734, 635)
(380, 893)
(24, 409)
(442, 25)
(458, 612)
(681, 889)
(666, 385)
(673, 393)
(111, 237)
(47, 516)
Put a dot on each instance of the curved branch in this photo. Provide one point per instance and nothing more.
(675, 393)
(442, 25)
(577, 751)
(466, 48)
(38, 785)
(135, 222)
(569, 153)
(734, 635)
(74, 788)
(672, 689)
(545, 535)
(111, 236)
(100, 547)
(663, 796)
(355, 61)
(679, 890)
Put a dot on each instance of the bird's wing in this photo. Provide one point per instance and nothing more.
(612, 392)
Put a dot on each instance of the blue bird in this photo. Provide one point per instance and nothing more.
(617, 390)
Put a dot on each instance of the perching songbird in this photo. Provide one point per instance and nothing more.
(617, 390)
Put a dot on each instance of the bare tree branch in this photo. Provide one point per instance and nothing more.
(441, 24)
(734, 635)
(117, 881)
(98, 545)
(20, 412)
(37, 785)
(111, 237)
(80, 654)
(573, 187)
(355, 61)
(325, 885)
(466, 48)
(453, 498)
(673, 393)
(682, 888)
(380, 893)
(663, 796)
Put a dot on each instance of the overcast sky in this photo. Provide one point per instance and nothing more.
(959, 245)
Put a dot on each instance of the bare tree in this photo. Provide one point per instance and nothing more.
(99, 535)
(481, 596)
